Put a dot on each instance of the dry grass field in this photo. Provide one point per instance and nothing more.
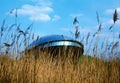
(17, 67)
(46, 70)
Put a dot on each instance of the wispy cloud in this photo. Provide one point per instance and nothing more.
(40, 17)
(83, 31)
(111, 11)
(55, 18)
(110, 22)
(42, 2)
(108, 19)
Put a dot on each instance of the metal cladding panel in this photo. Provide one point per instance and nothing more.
(53, 40)
(61, 43)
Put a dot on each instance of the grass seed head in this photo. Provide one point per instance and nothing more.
(115, 16)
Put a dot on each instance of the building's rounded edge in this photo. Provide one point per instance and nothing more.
(63, 41)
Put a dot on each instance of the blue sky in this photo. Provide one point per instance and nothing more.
(56, 16)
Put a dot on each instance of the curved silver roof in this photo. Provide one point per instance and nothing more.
(55, 40)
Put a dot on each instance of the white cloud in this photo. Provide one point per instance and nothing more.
(108, 22)
(55, 18)
(38, 12)
(40, 17)
(30, 9)
(111, 11)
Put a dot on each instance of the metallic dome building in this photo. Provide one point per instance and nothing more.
(58, 44)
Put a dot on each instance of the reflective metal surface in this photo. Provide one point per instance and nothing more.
(62, 43)
(55, 40)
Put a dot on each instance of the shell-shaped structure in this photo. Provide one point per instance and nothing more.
(58, 44)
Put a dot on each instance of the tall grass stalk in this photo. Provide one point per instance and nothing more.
(40, 67)
(45, 70)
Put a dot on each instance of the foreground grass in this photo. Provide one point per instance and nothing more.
(43, 69)
(46, 70)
